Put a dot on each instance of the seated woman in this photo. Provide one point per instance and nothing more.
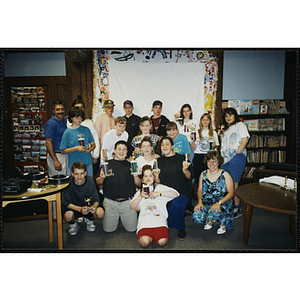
(215, 196)
(152, 222)
(145, 130)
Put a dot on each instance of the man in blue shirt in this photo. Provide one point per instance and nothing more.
(181, 144)
(54, 129)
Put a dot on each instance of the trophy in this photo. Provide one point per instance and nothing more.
(134, 167)
(285, 184)
(221, 130)
(193, 136)
(81, 140)
(293, 190)
(155, 164)
(146, 188)
(105, 169)
(88, 201)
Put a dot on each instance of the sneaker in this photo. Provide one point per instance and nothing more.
(90, 226)
(208, 226)
(221, 230)
(182, 234)
(73, 228)
(237, 212)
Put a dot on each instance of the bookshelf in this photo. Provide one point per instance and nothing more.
(269, 124)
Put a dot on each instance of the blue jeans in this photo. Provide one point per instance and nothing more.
(235, 167)
(177, 211)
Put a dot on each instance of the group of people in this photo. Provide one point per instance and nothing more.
(143, 170)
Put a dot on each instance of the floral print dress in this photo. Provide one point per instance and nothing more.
(213, 192)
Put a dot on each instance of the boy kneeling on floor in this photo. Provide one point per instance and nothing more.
(81, 199)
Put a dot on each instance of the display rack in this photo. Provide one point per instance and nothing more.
(29, 117)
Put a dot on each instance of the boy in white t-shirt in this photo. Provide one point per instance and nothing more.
(111, 137)
(152, 222)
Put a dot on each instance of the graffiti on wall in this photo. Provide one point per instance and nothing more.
(101, 70)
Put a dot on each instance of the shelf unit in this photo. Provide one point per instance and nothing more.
(29, 116)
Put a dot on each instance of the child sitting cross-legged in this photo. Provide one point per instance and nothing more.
(152, 222)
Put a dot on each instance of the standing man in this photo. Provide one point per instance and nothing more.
(159, 121)
(54, 130)
(132, 123)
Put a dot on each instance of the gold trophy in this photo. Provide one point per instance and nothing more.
(285, 184)
(293, 190)
(89, 206)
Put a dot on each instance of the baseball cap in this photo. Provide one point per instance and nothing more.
(127, 102)
(108, 102)
(157, 102)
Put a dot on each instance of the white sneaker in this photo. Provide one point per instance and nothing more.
(73, 228)
(208, 226)
(221, 230)
(90, 226)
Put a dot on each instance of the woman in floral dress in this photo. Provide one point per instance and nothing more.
(215, 193)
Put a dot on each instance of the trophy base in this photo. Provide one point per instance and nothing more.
(136, 173)
(110, 174)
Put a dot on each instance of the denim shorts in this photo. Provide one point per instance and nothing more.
(235, 167)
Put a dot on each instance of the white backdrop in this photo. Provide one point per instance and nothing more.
(173, 83)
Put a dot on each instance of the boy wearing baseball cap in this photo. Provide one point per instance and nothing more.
(159, 121)
(132, 123)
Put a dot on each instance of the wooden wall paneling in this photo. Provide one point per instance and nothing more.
(8, 137)
(290, 95)
(79, 81)
(89, 85)
(219, 95)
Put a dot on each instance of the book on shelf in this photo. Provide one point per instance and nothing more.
(235, 104)
(271, 124)
(249, 107)
(266, 124)
(248, 173)
(272, 109)
(252, 125)
(266, 156)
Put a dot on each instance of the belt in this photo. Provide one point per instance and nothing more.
(121, 199)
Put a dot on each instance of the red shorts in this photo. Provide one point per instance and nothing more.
(156, 233)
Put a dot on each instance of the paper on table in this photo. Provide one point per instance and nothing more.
(33, 190)
(278, 180)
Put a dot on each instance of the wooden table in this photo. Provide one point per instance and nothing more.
(269, 197)
(50, 195)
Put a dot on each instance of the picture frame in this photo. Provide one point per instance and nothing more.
(263, 108)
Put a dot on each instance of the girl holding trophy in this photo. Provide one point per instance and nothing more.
(150, 201)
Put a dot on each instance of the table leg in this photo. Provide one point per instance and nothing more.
(247, 214)
(59, 221)
(50, 221)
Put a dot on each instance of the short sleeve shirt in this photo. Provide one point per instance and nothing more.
(232, 139)
(54, 129)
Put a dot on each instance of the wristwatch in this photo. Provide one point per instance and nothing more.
(220, 202)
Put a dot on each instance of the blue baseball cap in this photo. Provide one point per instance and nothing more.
(157, 102)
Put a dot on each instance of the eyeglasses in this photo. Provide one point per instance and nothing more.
(212, 161)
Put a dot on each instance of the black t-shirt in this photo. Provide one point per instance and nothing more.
(132, 127)
(171, 174)
(76, 194)
(121, 184)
